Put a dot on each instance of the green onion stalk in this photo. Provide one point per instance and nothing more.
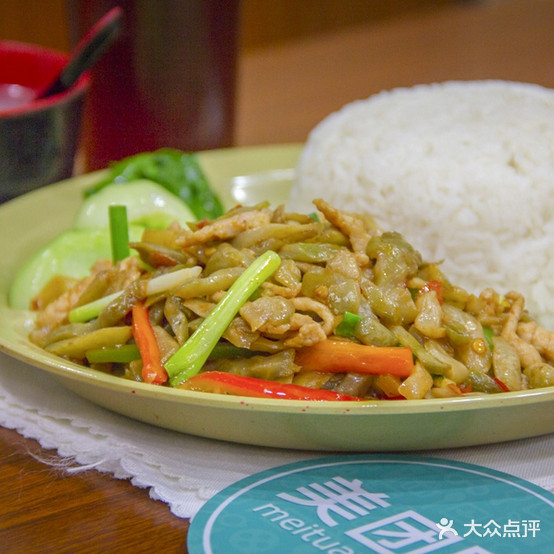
(192, 355)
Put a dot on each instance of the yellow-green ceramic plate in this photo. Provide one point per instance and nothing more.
(249, 175)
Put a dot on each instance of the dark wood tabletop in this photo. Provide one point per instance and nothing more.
(284, 89)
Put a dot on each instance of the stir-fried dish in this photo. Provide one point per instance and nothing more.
(261, 302)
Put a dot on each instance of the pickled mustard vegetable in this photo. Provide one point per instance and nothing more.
(328, 304)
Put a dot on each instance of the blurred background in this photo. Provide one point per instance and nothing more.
(295, 61)
(261, 21)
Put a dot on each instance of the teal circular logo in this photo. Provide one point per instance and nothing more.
(376, 503)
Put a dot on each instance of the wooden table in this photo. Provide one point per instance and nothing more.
(284, 90)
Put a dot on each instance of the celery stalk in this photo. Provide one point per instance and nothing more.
(190, 358)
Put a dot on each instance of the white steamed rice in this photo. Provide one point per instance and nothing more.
(464, 170)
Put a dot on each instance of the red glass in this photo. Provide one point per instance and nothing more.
(168, 81)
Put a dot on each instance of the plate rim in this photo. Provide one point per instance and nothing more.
(66, 370)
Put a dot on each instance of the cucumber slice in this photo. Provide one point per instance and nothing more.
(72, 253)
(148, 204)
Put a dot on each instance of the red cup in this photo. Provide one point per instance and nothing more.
(38, 138)
(167, 81)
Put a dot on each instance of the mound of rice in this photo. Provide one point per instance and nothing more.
(464, 170)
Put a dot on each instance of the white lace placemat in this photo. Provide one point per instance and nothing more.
(182, 470)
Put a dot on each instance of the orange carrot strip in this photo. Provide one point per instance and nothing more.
(152, 369)
(350, 357)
